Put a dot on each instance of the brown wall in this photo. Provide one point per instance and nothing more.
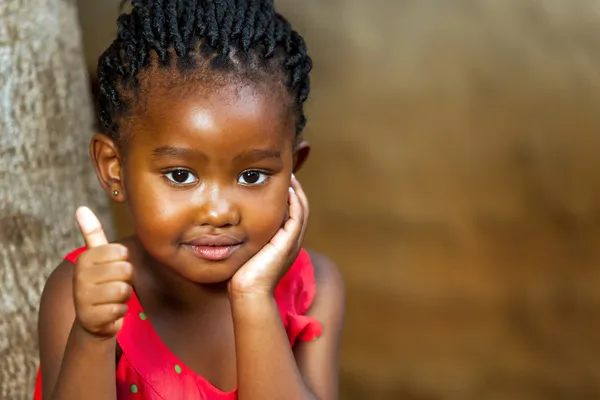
(455, 179)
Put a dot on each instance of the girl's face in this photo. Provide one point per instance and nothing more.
(206, 178)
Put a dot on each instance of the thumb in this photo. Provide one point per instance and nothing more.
(90, 227)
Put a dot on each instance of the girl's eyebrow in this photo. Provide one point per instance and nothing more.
(253, 155)
(177, 152)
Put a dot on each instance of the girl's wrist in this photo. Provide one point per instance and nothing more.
(258, 297)
(243, 291)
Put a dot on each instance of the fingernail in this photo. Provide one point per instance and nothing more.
(292, 190)
(293, 176)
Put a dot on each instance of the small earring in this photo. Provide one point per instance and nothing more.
(115, 192)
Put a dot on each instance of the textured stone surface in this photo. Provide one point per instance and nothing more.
(45, 172)
(455, 178)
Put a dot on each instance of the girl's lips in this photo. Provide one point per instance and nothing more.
(213, 253)
(214, 241)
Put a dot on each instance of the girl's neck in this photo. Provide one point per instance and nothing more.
(158, 283)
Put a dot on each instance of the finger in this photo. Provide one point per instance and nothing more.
(305, 205)
(109, 293)
(111, 313)
(105, 254)
(301, 195)
(120, 271)
(108, 317)
(110, 329)
(289, 234)
(90, 227)
(117, 325)
(296, 213)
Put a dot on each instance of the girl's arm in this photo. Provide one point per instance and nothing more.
(74, 365)
(267, 368)
(82, 310)
(318, 360)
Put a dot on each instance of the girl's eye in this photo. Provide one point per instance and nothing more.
(181, 177)
(251, 178)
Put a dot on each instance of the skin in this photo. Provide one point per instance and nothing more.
(239, 149)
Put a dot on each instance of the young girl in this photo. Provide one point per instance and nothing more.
(201, 103)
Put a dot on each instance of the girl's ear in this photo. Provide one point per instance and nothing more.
(301, 153)
(108, 162)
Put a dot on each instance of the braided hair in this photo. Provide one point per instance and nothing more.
(246, 38)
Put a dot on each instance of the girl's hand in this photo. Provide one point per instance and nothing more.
(260, 275)
(100, 280)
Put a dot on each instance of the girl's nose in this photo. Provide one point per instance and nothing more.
(218, 210)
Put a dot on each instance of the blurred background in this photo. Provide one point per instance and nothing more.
(455, 179)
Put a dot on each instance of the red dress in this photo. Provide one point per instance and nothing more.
(148, 370)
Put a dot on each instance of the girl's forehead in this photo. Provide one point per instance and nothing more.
(202, 105)
(240, 115)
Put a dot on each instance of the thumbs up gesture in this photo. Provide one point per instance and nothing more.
(101, 281)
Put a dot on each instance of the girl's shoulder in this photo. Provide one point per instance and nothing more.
(312, 283)
(319, 358)
(325, 269)
(329, 281)
(314, 268)
(317, 283)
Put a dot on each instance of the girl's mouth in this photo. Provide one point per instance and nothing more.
(213, 253)
(213, 247)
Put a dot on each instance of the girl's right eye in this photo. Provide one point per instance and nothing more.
(181, 177)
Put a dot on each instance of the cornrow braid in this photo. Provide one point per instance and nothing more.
(245, 36)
